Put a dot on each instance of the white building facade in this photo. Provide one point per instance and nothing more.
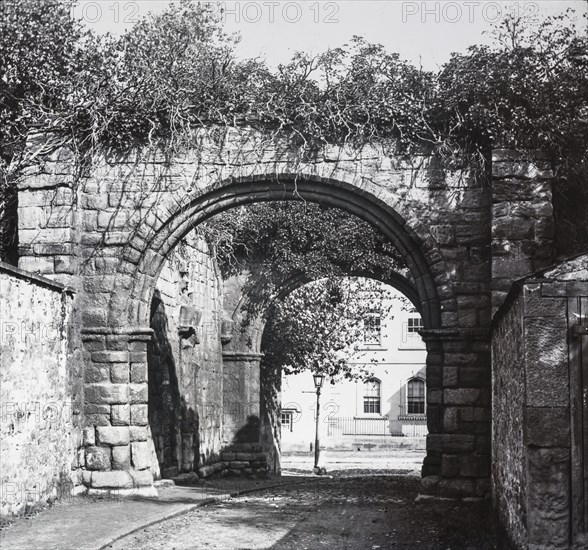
(392, 403)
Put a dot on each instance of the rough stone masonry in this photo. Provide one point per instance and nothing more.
(109, 233)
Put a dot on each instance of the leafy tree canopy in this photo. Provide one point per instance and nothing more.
(177, 71)
(319, 327)
(277, 242)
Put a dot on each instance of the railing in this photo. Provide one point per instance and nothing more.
(408, 426)
(358, 426)
(413, 425)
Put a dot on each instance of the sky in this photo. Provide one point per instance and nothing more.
(423, 32)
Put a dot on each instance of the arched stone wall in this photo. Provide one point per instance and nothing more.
(108, 231)
(424, 261)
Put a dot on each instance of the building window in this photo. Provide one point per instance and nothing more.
(414, 324)
(371, 397)
(416, 396)
(372, 328)
(286, 419)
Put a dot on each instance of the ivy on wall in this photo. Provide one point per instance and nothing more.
(176, 71)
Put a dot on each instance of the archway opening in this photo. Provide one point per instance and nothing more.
(199, 406)
(373, 400)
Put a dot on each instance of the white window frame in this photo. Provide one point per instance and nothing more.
(409, 397)
(369, 399)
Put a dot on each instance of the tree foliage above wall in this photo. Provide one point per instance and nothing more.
(177, 71)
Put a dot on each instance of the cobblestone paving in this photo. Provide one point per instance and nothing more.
(346, 512)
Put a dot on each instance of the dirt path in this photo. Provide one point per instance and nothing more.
(344, 513)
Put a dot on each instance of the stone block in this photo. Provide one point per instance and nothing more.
(548, 502)
(98, 419)
(482, 444)
(456, 488)
(138, 373)
(121, 457)
(142, 478)
(546, 360)
(141, 455)
(474, 466)
(245, 456)
(115, 342)
(474, 377)
(539, 306)
(120, 415)
(434, 397)
(462, 359)
(458, 443)
(139, 415)
(138, 345)
(119, 373)
(553, 289)
(89, 436)
(511, 268)
(113, 435)
(461, 396)
(107, 393)
(547, 426)
(86, 477)
(110, 357)
(96, 373)
(96, 344)
(94, 408)
(450, 419)
(429, 485)
(139, 433)
(515, 229)
(450, 465)
(450, 377)
(115, 479)
(98, 458)
(138, 393)
(138, 356)
(205, 471)
(228, 455)
(238, 464)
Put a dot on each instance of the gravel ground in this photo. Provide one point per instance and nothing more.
(349, 510)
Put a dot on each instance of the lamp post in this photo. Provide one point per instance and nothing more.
(318, 384)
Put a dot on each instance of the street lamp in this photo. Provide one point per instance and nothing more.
(318, 384)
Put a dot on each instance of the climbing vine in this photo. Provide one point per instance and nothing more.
(281, 242)
(176, 72)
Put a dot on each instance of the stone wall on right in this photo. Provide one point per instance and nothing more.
(539, 423)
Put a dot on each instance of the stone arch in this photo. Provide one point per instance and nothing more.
(404, 223)
(424, 261)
